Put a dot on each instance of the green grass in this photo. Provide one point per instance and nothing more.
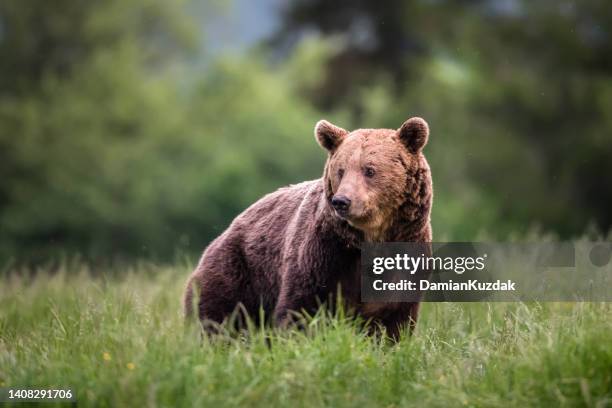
(55, 331)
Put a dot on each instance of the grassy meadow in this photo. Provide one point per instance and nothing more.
(120, 340)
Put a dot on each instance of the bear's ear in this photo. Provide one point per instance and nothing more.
(414, 134)
(329, 136)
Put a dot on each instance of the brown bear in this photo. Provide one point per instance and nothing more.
(300, 245)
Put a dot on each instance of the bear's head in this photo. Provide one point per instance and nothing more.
(377, 180)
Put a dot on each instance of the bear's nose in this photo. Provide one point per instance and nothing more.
(341, 204)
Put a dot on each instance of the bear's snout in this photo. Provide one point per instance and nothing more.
(341, 204)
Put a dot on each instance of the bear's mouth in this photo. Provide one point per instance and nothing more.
(356, 221)
(344, 214)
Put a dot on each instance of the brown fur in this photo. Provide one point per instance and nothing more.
(291, 249)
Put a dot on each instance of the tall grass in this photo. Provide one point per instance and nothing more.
(120, 340)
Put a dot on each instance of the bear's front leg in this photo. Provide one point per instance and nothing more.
(405, 317)
(297, 295)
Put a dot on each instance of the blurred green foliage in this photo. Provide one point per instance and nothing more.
(109, 155)
(113, 143)
(518, 95)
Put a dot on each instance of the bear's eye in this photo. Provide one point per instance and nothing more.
(340, 173)
(369, 172)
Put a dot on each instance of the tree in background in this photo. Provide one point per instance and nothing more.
(518, 94)
(111, 147)
(114, 143)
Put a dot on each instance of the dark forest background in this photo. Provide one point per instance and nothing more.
(127, 133)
